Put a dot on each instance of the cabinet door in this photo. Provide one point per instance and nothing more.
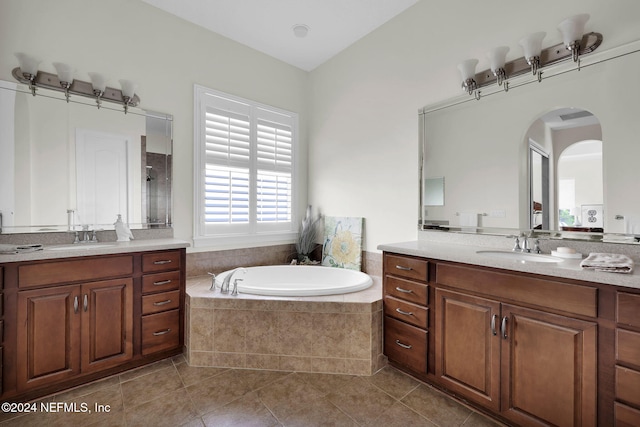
(48, 336)
(549, 369)
(468, 346)
(107, 323)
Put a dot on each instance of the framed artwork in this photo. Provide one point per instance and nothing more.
(342, 245)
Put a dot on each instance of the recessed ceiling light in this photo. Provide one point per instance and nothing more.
(300, 30)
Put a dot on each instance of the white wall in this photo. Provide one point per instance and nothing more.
(363, 124)
(166, 56)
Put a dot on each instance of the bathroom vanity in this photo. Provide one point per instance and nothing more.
(73, 315)
(528, 344)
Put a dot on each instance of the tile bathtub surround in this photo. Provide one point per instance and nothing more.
(200, 263)
(330, 334)
(172, 393)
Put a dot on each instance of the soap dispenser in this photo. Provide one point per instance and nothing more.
(122, 231)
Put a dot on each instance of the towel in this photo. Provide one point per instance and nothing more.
(632, 224)
(18, 249)
(468, 219)
(612, 263)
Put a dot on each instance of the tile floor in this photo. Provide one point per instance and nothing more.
(171, 393)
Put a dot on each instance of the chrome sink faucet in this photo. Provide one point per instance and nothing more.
(224, 288)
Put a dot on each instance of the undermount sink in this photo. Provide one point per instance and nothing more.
(80, 247)
(520, 256)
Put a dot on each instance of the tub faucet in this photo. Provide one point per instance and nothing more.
(224, 288)
(213, 281)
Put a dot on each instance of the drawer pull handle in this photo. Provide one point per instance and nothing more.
(86, 302)
(163, 261)
(75, 304)
(166, 331)
(162, 282)
(493, 324)
(406, 291)
(162, 302)
(400, 267)
(503, 327)
(407, 346)
(406, 313)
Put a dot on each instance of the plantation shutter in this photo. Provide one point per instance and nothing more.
(274, 167)
(246, 167)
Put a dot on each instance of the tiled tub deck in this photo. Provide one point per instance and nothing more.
(328, 334)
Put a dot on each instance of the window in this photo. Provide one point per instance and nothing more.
(244, 166)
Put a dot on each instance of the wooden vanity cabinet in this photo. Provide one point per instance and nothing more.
(74, 320)
(522, 347)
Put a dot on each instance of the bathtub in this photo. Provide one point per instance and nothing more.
(296, 280)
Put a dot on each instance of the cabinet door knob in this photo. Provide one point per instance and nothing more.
(86, 302)
(493, 324)
(75, 304)
(503, 327)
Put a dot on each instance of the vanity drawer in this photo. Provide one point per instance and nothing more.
(160, 261)
(160, 282)
(627, 309)
(626, 416)
(406, 290)
(628, 347)
(406, 311)
(555, 295)
(628, 385)
(156, 303)
(412, 268)
(405, 344)
(77, 270)
(160, 331)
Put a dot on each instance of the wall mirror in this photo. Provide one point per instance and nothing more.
(68, 165)
(556, 156)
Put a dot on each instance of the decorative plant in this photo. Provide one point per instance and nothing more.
(307, 236)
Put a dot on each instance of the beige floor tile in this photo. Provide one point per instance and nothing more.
(361, 400)
(170, 410)
(320, 413)
(193, 374)
(393, 382)
(479, 420)
(151, 386)
(326, 383)
(144, 370)
(288, 395)
(401, 416)
(246, 411)
(436, 407)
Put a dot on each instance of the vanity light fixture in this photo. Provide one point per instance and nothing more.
(497, 59)
(468, 70)
(532, 46)
(63, 81)
(65, 75)
(575, 45)
(128, 91)
(99, 83)
(572, 30)
(29, 69)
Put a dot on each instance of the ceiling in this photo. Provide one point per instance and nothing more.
(267, 25)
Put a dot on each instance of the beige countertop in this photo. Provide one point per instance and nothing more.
(568, 268)
(93, 249)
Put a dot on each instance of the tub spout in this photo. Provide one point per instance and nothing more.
(213, 281)
(235, 286)
(224, 288)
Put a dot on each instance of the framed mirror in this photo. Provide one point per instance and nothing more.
(68, 165)
(555, 156)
